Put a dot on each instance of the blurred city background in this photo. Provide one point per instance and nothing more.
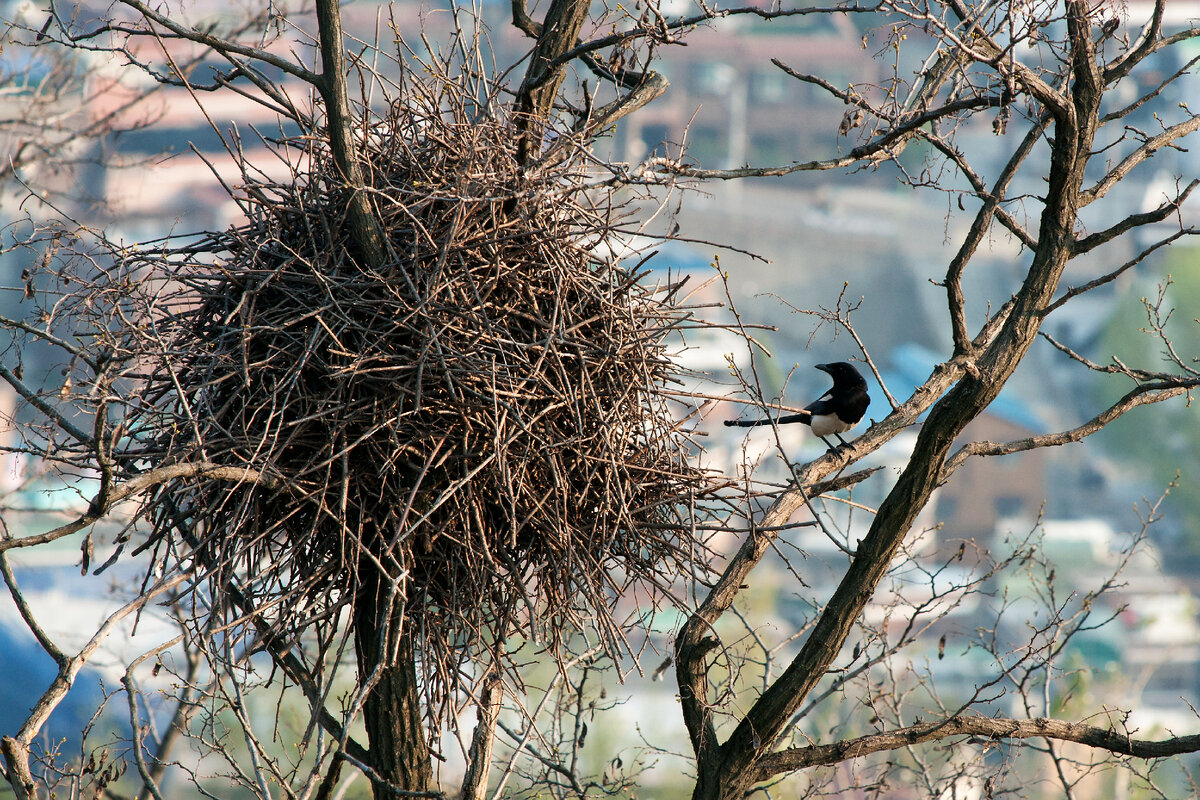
(796, 242)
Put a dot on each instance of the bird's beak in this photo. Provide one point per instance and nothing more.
(822, 367)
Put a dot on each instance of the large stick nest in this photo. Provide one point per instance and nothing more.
(484, 417)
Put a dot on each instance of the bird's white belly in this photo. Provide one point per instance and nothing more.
(828, 424)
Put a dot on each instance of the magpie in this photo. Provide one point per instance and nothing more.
(836, 411)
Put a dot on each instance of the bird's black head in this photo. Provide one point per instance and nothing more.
(844, 374)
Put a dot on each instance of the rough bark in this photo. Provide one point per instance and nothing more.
(364, 224)
(558, 34)
(16, 759)
(399, 747)
(479, 758)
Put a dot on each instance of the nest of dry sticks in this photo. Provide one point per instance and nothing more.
(485, 417)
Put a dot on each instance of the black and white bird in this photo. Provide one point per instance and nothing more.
(836, 412)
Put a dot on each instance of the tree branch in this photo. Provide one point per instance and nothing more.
(151, 777)
(533, 29)
(1089, 243)
(1150, 95)
(479, 757)
(70, 667)
(897, 134)
(535, 98)
(103, 503)
(1001, 59)
(1145, 394)
(1108, 277)
(224, 46)
(1147, 149)
(979, 229)
(41, 405)
(653, 87)
(365, 229)
(1144, 45)
(992, 728)
(16, 756)
(998, 211)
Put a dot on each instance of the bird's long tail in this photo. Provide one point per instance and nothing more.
(802, 416)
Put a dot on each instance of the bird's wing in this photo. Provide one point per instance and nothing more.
(822, 406)
(857, 407)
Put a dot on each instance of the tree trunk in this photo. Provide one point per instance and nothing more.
(535, 98)
(392, 710)
(365, 230)
(399, 748)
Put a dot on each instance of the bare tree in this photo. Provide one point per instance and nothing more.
(977, 63)
(413, 411)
